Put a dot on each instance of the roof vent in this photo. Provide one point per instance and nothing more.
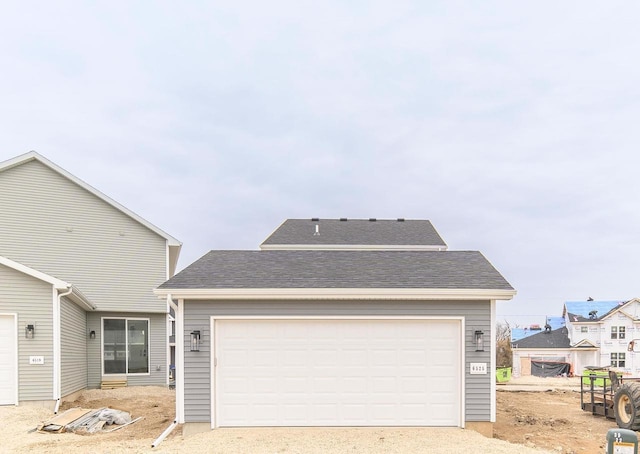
(372, 219)
(317, 232)
(400, 219)
(315, 219)
(343, 219)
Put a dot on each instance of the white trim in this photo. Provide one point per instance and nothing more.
(272, 232)
(15, 355)
(32, 155)
(213, 343)
(213, 364)
(57, 283)
(167, 262)
(462, 381)
(340, 293)
(619, 309)
(180, 362)
(126, 342)
(75, 295)
(493, 343)
(351, 247)
(57, 343)
(167, 346)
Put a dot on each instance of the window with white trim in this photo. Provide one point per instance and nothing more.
(618, 359)
(618, 332)
(584, 329)
(125, 346)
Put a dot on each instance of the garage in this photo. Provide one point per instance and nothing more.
(337, 372)
(8, 362)
(337, 322)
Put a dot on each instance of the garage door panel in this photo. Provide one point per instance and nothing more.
(337, 372)
(8, 354)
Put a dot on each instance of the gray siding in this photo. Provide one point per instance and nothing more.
(73, 345)
(197, 368)
(55, 226)
(32, 300)
(157, 354)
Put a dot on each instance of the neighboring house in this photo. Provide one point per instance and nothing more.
(608, 326)
(597, 335)
(77, 273)
(521, 333)
(542, 354)
(338, 323)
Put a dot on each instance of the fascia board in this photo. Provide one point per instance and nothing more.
(274, 231)
(340, 294)
(57, 283)
(584, 342)
(618, 310)
(32, 155)
(351, 247)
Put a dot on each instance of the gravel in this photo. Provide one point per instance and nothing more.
(17, 421)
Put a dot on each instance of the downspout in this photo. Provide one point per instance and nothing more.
(178, 379)
(179, 371)
(57, 356)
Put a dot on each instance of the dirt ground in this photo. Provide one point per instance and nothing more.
(548, 415)
(541, 415)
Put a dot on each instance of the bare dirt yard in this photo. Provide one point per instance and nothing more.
(546, 413)
(533, 416)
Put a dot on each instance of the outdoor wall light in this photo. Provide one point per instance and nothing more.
(479, 340)
(29, 331)
(195, 341)
(92, 335)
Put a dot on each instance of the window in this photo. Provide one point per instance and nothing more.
(618, 332)
(125, 346)
(584, 329)
(617, 359)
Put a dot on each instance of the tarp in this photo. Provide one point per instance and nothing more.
(549, 369)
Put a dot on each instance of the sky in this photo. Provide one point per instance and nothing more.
(512, 126)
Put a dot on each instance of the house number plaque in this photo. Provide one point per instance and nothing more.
(478, 368)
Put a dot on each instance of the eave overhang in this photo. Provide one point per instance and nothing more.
(351, 247)
(335, 294)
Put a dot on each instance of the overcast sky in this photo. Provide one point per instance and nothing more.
(512, 126)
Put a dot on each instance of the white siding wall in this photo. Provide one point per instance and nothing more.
(53, 225)
(32, 300)
(73, 342)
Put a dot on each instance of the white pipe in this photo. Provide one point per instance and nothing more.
(164, 434)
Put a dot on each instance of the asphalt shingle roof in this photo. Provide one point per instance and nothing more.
(356, 232)
(557, 338)
(340, 269)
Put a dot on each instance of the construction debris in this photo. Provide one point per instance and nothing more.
(81, 420)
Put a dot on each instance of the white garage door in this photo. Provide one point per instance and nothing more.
(337, 373)
(8, 353)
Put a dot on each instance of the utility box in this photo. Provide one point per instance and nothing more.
(622, 441)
